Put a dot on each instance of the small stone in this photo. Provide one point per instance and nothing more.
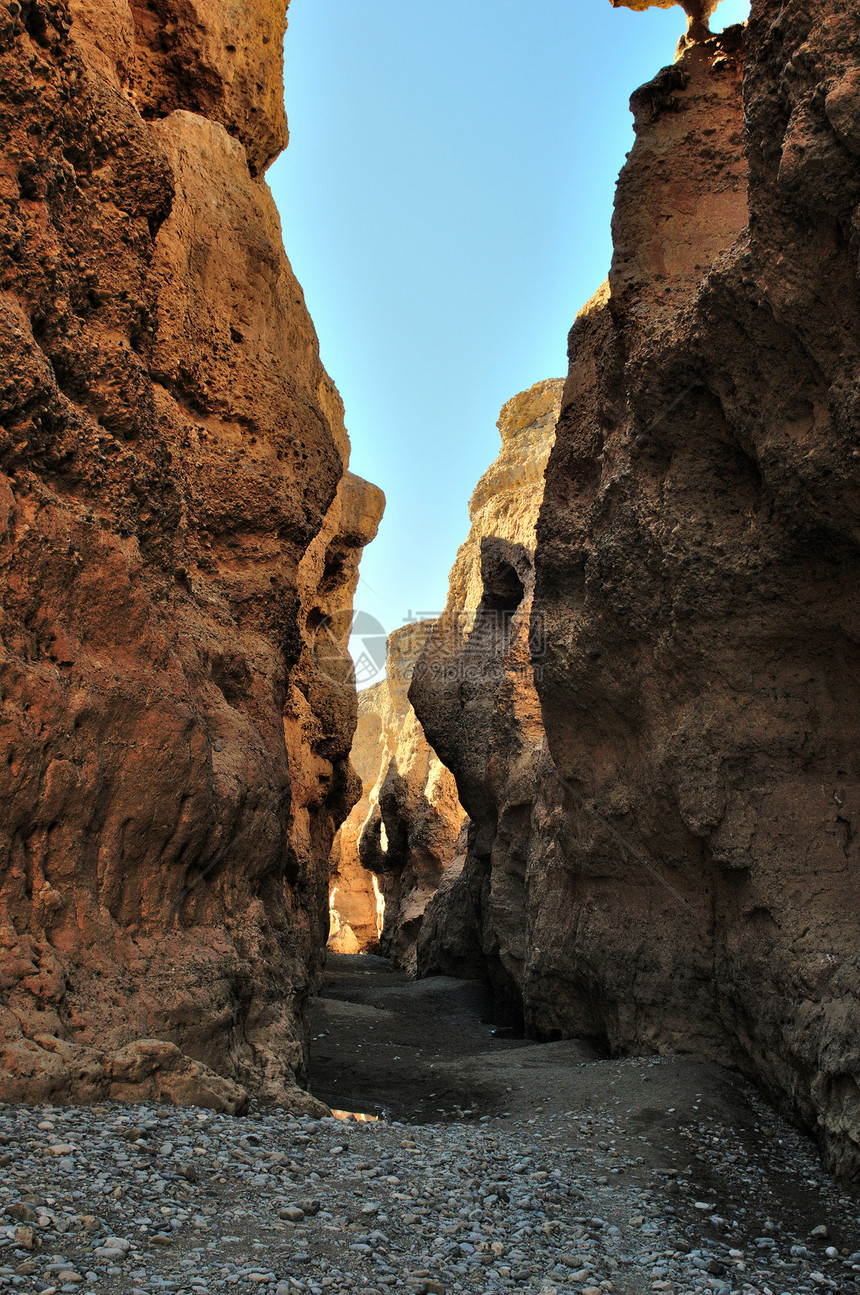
(22, 1212)
(292, 1213)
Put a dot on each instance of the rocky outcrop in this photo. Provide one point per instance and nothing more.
(355, 900)
(698, 12)
(405, 828)
(697, 568)
(473, 690)
(174, 525)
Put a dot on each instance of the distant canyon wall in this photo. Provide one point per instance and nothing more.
(473, 690)
(403, 833)
(176, 520)
(669, 860)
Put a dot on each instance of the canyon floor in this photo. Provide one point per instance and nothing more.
(498, 1165)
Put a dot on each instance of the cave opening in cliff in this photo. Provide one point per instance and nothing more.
(503, 592)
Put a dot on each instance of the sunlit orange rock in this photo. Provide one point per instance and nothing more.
(403, 832)
(355, 900)
(173, 512)
(698, 11)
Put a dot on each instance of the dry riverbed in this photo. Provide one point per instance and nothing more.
(499, 1166)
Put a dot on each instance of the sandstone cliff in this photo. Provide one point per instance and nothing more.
(405, 828)
(356, 906)
(473, 690)
(697, 575)
(698, 12)
(174, 522)
(676, 868)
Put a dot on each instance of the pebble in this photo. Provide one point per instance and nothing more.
(99, 1201)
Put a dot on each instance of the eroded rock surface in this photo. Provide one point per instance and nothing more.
(404, 831)
(697, 576)
(698, 12)
(473, 690)
(355, 901)
(173, 517)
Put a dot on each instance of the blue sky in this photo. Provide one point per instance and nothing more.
(446, 199)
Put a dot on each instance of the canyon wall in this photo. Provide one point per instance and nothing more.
(355, 901)
(662, 854)
(175, 523)
(697, 586)
(404, 830)
(473, 690)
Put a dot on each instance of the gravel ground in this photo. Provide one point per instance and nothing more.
(615, 1191)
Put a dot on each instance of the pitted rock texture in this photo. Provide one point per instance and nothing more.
(171, 452)
(697, 575)
(405, 828)
(473, 690)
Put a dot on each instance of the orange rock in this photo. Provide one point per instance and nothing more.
(172, 488)
(473, 690)
(698, 12)
(402, 834)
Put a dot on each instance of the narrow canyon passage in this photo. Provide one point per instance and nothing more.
(707, 1187)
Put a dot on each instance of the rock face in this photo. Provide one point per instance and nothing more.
(473, 690)
(356, 905)
(405, 828)
(174, 523)
(697, 575)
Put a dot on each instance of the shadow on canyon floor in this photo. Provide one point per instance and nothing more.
(425, 1051)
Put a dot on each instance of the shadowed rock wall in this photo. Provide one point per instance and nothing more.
(404, 830)
(174, 520)
(473, 690)
(697, 582)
